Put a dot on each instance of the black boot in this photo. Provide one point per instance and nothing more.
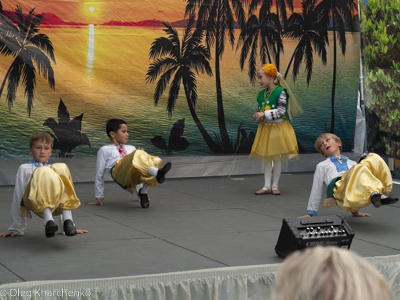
(69, 228)
(50, 228)
(376, 200)
(161, 172)
(144, 200)
(389, 200)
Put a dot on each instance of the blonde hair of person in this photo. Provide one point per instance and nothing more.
(41, 136)
(294, 106)
(327, 135)
(329, 273)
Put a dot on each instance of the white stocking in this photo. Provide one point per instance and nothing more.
(47, 215)
(267, 174)
(152, 171)
(66, 215)
(145, 189)
(276, 173)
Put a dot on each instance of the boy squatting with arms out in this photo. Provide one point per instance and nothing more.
(44, 188)
(133, 169)
(351, 186)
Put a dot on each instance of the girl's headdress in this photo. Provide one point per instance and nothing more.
(294, 106)
(270, 70)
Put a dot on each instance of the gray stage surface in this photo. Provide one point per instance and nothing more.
(192, 223)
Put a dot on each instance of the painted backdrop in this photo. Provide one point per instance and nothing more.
(181, 73)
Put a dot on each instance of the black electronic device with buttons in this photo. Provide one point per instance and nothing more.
(300, 233)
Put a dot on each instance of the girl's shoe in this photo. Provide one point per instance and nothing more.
(264, 191)
(275, 191)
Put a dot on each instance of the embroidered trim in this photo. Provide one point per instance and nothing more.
(121, 149)
(311, 212)
(340, 165)
(38, 164)
(13, 231)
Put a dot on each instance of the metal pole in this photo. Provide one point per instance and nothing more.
(362, 104)
(362, 101)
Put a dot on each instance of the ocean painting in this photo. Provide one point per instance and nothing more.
(68, 67)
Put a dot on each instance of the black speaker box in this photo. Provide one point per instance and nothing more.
(300, 233)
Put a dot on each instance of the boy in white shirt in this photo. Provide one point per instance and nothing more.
(44, 188)
(133, 169)
(351, 186)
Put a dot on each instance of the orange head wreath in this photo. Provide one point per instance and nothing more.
(270, 70)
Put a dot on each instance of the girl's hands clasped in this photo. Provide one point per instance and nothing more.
(258, 116)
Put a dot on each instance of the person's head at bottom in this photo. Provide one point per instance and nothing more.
(329, 273)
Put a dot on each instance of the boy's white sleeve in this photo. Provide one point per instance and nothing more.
(129, 149)
(19, 224)
(100, 169)
(316, 191)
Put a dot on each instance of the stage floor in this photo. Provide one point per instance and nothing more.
(193, 223)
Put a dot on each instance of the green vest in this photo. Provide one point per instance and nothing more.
(271, 102)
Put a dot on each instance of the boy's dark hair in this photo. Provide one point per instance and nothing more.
(41, 136)
(114, 125)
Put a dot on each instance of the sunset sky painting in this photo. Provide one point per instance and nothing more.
(100, 12)
(102, 61)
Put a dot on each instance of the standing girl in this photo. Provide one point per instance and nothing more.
(275, 138)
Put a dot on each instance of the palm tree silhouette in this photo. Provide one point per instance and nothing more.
(32, 51)
(339, 13)
(215, 17)
(267, 4)
(179, 63)
(260, 32)
(309, 29)
(273, 20)
(176, 141)
(67, 133)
